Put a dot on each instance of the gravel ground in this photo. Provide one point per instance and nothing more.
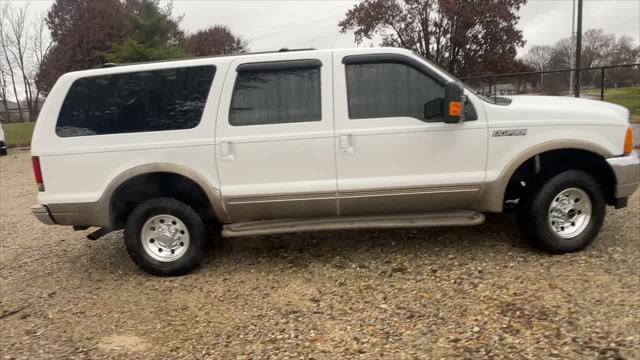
(477, 292)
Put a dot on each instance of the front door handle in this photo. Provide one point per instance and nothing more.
(227, 151)
(347, 145)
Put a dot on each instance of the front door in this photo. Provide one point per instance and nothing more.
(274, 138)
(389, 158)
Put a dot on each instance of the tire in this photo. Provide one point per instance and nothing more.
(3, 151)
(165, 237)
(564, 214)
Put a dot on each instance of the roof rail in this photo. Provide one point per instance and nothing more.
(284, 49)
(110, 64)
(107, 65)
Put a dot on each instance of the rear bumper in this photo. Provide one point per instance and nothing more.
(627, 172)
(77, 214)
(41, 212)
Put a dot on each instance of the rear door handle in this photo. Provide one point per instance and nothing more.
(227, 151)
(347, 145)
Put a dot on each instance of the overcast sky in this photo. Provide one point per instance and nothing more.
(269, 25)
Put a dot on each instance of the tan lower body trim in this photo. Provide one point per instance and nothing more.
(281, 206)
(427, 199)
(362, 202)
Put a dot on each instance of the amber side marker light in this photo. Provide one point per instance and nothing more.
(628, 142)
(455, 108)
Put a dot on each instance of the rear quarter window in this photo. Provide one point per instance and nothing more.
(142, 101)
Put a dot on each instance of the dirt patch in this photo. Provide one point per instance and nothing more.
(123, 343)
(479, 292)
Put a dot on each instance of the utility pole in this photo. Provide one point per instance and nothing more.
(576, 91)
(573, 51)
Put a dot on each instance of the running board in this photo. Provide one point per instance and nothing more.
(266, 227)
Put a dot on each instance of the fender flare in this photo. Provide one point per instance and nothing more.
(213, 193)
(492, 195)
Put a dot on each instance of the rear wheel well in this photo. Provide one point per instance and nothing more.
(148, 186)
(541, 167)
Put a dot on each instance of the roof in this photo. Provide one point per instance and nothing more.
(283, 50)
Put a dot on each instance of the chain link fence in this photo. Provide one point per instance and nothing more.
(618, 84)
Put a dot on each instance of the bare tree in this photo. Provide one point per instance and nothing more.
(41, 45)
(3, 88)
(539, 57)
(24, 45)
(7, 59)
(18, 34)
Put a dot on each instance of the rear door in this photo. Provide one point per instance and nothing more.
(274, 137)
(389, 158)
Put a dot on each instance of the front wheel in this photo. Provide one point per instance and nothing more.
(165, 237)
(565, 214)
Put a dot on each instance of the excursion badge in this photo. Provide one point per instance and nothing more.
(510, 132)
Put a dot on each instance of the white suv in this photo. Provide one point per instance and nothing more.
(315, 140)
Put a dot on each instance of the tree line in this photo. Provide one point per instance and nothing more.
(89, 33)
(465, 37)
(83, 34)
(598, 49)
(23, 45)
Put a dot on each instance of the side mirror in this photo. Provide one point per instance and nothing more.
(453, 109)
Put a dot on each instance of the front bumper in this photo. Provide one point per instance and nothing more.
(627, 172)
(41, 212)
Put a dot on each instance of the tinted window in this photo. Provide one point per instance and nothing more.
(378, 90)
(276, 96)
(168, 99)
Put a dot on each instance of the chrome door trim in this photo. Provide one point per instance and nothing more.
(409, 191)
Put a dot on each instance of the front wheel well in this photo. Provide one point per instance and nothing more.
(543, 166)
(156, 185)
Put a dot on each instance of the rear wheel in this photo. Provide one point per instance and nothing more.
(564, 214)
(165, 237)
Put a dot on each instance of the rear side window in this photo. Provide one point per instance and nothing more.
(276, 95)
(168, 99)
(378, 90)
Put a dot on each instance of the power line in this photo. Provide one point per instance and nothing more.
(287, 26)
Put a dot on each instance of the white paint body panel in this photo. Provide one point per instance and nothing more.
(277, 159)
(552, 119)
(79, 169)
(404, 152)
(306, 159)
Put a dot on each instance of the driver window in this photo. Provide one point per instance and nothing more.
(378, 90)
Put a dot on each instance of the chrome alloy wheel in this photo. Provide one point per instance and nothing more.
(165, 238)
(570, 213)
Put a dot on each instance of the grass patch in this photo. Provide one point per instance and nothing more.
(18, 134)
(628, 97)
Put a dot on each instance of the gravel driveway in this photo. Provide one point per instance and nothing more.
(427, 293)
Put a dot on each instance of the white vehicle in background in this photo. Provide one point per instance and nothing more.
(3, 142)
(317, 140)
